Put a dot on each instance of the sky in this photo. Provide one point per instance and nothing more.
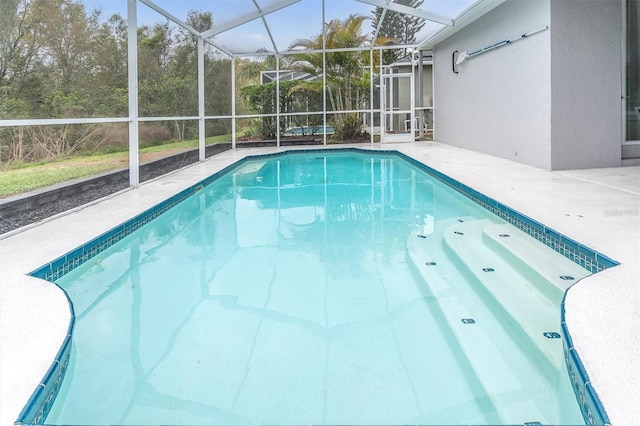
(300, 20)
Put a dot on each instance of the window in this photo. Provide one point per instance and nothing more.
(632, 104)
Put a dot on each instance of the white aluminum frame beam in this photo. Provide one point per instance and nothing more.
(170, 17)
(407, 10)
(338, 49)
(132, 58)
(278, 101)
(55, 121)
(324, 74)
(233, 104)
(371, 88)
(374, 36)
(266, 26)
(201, 98)
(181, 23)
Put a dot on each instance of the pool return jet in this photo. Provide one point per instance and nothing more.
(464, 55)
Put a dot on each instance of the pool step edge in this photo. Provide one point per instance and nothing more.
(538, 261)
(487, 269)
(477, 348)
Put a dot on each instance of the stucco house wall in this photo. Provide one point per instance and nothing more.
(499, 102)
(586, 84)
(551, 100)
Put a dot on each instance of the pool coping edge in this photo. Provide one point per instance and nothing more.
(590, 404)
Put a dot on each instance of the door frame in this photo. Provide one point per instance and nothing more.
(406, 133)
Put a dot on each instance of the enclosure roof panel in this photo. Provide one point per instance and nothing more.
(244, 27)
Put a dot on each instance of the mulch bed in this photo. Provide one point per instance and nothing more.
(36, 214)
(12, 221)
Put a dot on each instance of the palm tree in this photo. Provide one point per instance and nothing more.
(347, 81)
(249, 70)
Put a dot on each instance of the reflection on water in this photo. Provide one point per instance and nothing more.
(279, 294)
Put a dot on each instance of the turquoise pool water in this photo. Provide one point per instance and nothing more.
(309, 130)
(319, 289)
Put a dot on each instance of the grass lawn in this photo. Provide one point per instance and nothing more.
(29, 177)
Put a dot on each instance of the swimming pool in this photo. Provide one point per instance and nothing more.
(278, 250)
(309, 130)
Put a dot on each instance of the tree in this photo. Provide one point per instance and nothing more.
(110, 67)
(19, 27)
(59, 59)
(347, 80)
(68, 42)
(249, 70)
(261, 98)
(186, 43)
(217, 91)
(47, 72)
(397, 27)
(20, 39)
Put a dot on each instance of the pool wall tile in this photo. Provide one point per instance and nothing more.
(580, 254)
(595, 406)
(29, 413)
(567, 340)
(590, 405)
(39, 404)
(41, 401)
(592, 409)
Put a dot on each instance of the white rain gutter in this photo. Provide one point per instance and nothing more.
(470, 15)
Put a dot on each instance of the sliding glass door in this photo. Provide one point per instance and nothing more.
(631, 118)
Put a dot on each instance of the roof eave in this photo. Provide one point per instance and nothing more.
(470, 15)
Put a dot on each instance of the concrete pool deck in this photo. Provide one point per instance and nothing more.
(599, 208)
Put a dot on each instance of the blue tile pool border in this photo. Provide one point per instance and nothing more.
(592, 409)
(593, 412)
(569, 248)
(38, 406)
(41, 401)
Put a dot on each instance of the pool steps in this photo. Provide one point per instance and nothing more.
(475, 345)
(518, 249)
(474, 245)
(531, 319)
(538, 274)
